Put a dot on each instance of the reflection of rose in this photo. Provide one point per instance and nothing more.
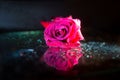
(63, 32)
(62, 58)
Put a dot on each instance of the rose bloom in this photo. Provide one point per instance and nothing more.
(62, 32)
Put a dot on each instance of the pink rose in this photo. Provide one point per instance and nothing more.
(62, 58)
(62, 32)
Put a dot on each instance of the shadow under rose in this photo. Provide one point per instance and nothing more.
(62, 58)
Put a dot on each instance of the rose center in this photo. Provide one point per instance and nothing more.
(61, 32)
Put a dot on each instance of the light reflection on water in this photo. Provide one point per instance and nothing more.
(90, 53)
(62, 58)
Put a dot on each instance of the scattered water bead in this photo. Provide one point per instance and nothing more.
(102, 50)
(118, 56)
(28, 54)
(39, 41)
(87, 56)
(113, 57)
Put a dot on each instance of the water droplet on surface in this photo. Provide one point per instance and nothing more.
(113, 57)
(87, 56)
(39, 41)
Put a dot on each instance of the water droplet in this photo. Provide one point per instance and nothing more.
(39, 41)
(118, 56)
(113, 57)
(87, 56)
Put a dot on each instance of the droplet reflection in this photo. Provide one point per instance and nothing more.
(62, 58)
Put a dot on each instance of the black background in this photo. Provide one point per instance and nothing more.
(100, 15)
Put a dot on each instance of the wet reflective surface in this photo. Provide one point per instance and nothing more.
(62, 58)
(25, 56)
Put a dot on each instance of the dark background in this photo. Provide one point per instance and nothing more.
(99, 15)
